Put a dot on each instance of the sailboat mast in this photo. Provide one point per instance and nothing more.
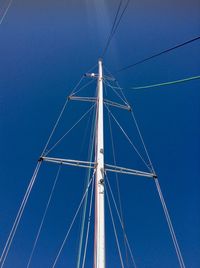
(99, 239)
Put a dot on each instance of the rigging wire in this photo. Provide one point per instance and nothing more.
(113, 88)
(117, 183)
(63, 109)
(172, 232)
(168, 83)
(32, 181)
(112, 29)
(118, 87)
(121, 222)
(79, 82)
(72, 223)
(77, 85)
(19, 215)
(44, 216)
(33, 178)
(85, 134)
(115, 25)
(158, 54)
(69, 130)
(83, 87)
(88, 225)
(114, 228)
(142, 140)
(59, 118)
(121, 90)
(169, 222)
(54, 128)
(137, 127)
(6, 11)
(134, 147)
(90, 152)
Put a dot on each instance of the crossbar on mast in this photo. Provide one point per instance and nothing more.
(69, 162)
(87, 99)
(129, 171)
(88, 164)
(118, 105)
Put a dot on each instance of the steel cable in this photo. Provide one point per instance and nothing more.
(117, 182)
(72, 223)
(169, 222)
(121, 222)
(158, 54)
(90, 152)
(6, 11)
(69, 130)
(18, 217)
(129, 140)
(115, 25)
(114, 228)
(44, 216)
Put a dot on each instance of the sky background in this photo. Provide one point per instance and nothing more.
(44, 50)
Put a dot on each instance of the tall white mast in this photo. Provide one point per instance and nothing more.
(99, 239)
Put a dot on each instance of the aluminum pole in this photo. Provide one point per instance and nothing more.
(99, 239)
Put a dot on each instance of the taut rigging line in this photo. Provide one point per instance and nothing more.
(158, 54)
(5, 12)
(115, 25)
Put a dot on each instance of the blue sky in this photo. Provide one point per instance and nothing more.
(44, 49)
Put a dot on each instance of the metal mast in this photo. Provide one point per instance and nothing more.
(99, 239)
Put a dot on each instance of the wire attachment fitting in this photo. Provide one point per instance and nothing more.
(40, 159)
(91, 75)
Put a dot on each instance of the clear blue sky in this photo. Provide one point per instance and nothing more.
(44, 49)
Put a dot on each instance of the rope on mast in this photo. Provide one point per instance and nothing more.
(169, 222)
(168, 83)
(115, 25)
(158, 54)
(19, 216)
(44, 216)
(72, 223)
(112, 29)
